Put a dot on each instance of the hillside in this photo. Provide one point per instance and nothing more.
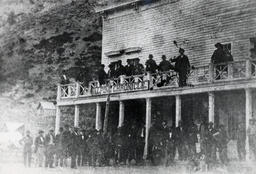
(36, 48)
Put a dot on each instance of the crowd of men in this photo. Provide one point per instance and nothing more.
(193, 142)
(134, 67)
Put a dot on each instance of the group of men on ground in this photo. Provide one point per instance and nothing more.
(193, 142)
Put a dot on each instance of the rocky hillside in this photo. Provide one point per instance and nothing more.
(38, 41)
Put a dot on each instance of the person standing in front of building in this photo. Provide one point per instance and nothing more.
(211, 144)
(241, 138)
(27, 142)
(40, 148)
(180, 141)
(251, 132)
(49, 149)
(66, 142)
(74, 147)
(182, 66)
(222, 142)
(151, 65)
(59, 149)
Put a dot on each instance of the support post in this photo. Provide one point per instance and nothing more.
(211, 99)
(77, 89)
(98, 124)
(57, 120)
(121, 114)
(211, 73)
(76, 120)
(148, 124)
(178, 110)
(248, 68)
(248, 116)
(58, 92)
(230, 70)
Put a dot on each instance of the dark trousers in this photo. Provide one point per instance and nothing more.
(49, 156)
(182, 79)
(27, 158)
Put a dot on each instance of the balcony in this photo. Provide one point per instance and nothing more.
(208, 76)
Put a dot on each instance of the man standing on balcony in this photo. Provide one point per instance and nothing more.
(182, 66)
(129, 68)
(138, 67)
(165, 65)
(102, 75)
(151, 65)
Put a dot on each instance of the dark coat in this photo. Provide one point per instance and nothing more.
(182, 64)
(165, 66)
(129, 69)
(102, 76)
(151, 66)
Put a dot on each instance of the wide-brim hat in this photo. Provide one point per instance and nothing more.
(218, 45)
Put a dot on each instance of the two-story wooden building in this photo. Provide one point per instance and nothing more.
(136, 28)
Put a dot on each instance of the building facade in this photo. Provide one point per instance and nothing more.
(136, 28)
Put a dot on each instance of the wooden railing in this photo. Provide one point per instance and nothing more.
(229, 71)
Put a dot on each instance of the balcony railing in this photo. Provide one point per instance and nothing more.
(229, 71)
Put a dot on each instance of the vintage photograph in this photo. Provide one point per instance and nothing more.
(127, 86)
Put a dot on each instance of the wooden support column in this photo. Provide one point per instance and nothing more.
(148, 124)
(98, 124)
(57, 120)
(58, 92)
(178, 110)
(211, 99)
(121, 114)
(248, 68)
(248, 116)
(76, 120)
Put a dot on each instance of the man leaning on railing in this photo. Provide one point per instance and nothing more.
(219, 58)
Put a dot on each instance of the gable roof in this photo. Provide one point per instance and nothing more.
(46, 105)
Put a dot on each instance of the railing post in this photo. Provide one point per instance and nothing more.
(77, 89)
(150, 81)
(211, 73)
(248, 68)
(230, 70)
(69, 90)
(90, 88)
(58, 91)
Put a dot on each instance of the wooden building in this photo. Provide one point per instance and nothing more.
(136, 28)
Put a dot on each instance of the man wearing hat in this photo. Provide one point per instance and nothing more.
(138, 67)
(151, 65)
(27, 142)
(165, 65)
(75, 144)
(182, 66)
(40, 148)
(129, 68)
(102, 75)
(49, 148)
